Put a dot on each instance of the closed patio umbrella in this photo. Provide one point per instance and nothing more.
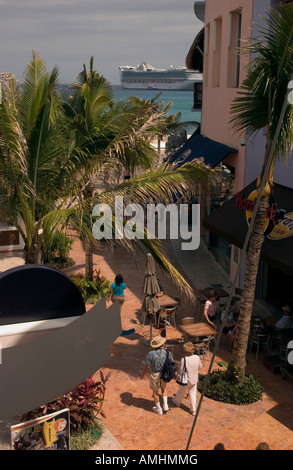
(150, 288)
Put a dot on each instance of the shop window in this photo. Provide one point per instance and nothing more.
(233, 50)
(217, 51)
(197, 96)
(206, 61)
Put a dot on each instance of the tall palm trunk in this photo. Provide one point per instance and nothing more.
(89, 265)
(238, 359)
(34, 255)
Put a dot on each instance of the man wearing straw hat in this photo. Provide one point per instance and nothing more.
(155, 361)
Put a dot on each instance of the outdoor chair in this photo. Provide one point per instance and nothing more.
(260, 339)
(144, 316)
(202, 348)
(167, 315)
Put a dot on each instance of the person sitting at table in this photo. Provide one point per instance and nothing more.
(161, 289)
(229, 328)
(286, 321)
(211, 308)
(264, 328)
(229, 325)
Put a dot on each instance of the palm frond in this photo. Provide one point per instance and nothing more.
(164, 184)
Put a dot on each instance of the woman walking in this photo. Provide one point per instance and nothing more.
(116, 294)
(117, 288)
(191, 363)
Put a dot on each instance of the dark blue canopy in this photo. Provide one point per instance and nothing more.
(199, 146)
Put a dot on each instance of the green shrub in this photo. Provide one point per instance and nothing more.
(57, 254)
(92, 291)
(86, 439)
(227, 390)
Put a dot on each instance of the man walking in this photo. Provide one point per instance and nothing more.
(155, 361)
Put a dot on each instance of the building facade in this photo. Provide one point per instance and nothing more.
(227, 25)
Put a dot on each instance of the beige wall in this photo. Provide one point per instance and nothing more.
(219, 88)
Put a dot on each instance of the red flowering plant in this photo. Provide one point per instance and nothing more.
(84, 402)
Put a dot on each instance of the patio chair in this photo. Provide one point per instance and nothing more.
(260, 339)
(202, 348)
(167, 315)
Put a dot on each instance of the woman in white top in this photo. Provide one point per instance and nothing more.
(193, 364)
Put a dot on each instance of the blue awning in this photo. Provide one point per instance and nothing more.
(198, 146)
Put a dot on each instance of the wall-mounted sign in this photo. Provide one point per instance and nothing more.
(284, 228)
(278, 223)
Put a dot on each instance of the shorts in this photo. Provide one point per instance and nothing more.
(212, 319)
(156, 382)
(118, 298)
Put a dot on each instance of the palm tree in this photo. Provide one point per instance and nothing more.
(31, 139)
(47, 159)
(111, 135)
(259, 105)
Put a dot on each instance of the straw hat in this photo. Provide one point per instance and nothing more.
(287, 308)
(157, 342)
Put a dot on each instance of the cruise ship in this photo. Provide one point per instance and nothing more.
(145, 76)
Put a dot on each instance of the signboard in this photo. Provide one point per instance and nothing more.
(50, 432)
(284, 228)
(278, 224)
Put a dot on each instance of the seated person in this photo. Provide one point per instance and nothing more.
(263, 329)
(230, 326)
(161, 289)
(286, 321)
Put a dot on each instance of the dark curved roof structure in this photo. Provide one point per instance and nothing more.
(36, 292)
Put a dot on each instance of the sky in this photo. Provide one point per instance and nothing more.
(67, 33)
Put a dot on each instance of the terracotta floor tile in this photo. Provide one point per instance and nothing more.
(128, 402)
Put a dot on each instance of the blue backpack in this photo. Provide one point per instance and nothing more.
(168, 372)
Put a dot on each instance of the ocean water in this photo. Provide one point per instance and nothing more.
(182, 101)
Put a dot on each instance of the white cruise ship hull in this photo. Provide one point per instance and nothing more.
(145, 77)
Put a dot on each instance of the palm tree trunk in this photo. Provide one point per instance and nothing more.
(34, 255)
(89, 269)
(238, 359)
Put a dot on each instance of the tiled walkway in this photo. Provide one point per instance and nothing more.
(128, 402)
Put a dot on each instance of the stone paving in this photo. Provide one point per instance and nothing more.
(128, 402)
(131, 424)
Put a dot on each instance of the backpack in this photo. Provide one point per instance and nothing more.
(169, 368)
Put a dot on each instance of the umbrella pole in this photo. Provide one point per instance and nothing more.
(147, 342)
(151, 327)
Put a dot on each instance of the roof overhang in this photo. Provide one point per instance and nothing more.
(194, 58)
(230, 222)
(198, 146)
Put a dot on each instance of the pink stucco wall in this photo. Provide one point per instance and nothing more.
(217, 99)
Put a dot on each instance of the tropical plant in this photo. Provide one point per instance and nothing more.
(48, 157)
(84, 402)
(57, 254)
(227, 390)
(94, 289)
(110, 135)
(259, 105)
